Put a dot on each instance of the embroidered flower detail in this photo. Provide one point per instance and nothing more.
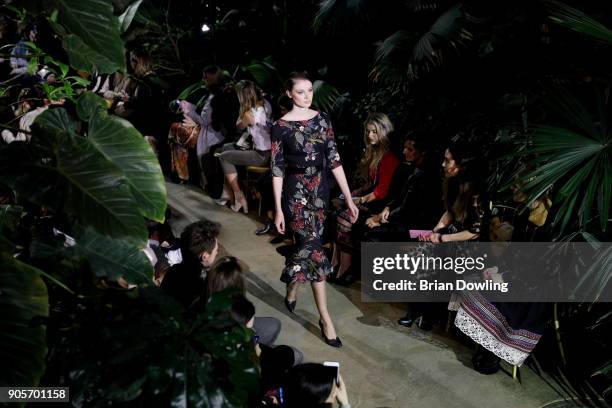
(296, 268)
(301, 128)
(303, 201)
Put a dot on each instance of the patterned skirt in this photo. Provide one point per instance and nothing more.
(181, 139)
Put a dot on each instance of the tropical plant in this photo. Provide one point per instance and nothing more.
(79, 307)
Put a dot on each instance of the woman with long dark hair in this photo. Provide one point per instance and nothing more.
(303, 147)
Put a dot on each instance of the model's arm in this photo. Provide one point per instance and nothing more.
(277, 164)
(333, 159)
(279, 217)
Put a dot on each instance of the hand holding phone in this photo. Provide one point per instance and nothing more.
(336, 366)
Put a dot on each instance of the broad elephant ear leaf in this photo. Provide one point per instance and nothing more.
(88, 104)
(121, 144)
(93, 34)
(112, 258)
(64, 171)
(22, 342)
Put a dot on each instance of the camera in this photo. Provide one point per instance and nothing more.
(175, 106)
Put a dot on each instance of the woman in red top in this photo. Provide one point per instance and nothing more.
(379, 164)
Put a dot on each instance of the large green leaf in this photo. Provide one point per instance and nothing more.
(112, 258)
(88, 104)
(124, 146)
(125, 19)
(66, 172)
(265, 74)
(94, 23)
(23, 297)
(84, 58)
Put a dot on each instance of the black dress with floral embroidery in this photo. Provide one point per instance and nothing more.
(301, 153)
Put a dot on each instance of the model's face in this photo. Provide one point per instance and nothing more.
(302, 93)
(372, 134)
(451, 168)
(411, 154)
(208, 258)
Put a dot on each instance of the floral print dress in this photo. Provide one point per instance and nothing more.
(301, 153)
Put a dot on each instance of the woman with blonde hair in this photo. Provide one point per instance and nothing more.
(377, 168)
(255, 117)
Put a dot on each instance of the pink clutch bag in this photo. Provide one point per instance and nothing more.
(417, 233)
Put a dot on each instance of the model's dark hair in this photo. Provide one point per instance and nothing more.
(198, 237)
(225, 273)
(308, 385)
(296, 76)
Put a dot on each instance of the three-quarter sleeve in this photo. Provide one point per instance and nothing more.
(331, 150)
(386, 169)
(277, 157)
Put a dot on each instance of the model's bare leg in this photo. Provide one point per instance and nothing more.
(320, 296)
(292, 289)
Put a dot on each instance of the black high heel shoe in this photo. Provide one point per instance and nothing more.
(290, 305)
(406, 321)
(330, 342)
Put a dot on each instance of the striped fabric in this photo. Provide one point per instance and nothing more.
(481, 321)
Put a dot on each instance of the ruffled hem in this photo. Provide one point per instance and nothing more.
(308, 264)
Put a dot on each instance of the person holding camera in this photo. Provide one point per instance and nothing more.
(314, 386)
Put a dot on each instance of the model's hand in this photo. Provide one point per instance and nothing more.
(279, 222)
(384, 216)
(353, 210)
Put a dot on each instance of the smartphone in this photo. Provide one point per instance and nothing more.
(417, 233)
(336, 366)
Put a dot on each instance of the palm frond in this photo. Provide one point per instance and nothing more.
(573, 160)
(325, 96)
(404, 56)
(342, 16)
(576, 20)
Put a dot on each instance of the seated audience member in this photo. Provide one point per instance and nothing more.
(163, 247)
(463, 217)
(205, 131)
(418, 203)
(227, 273)
(274, 361)
(30, 106)
(199, 247)
(378, 165)
(255, 117)
(314, 385)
